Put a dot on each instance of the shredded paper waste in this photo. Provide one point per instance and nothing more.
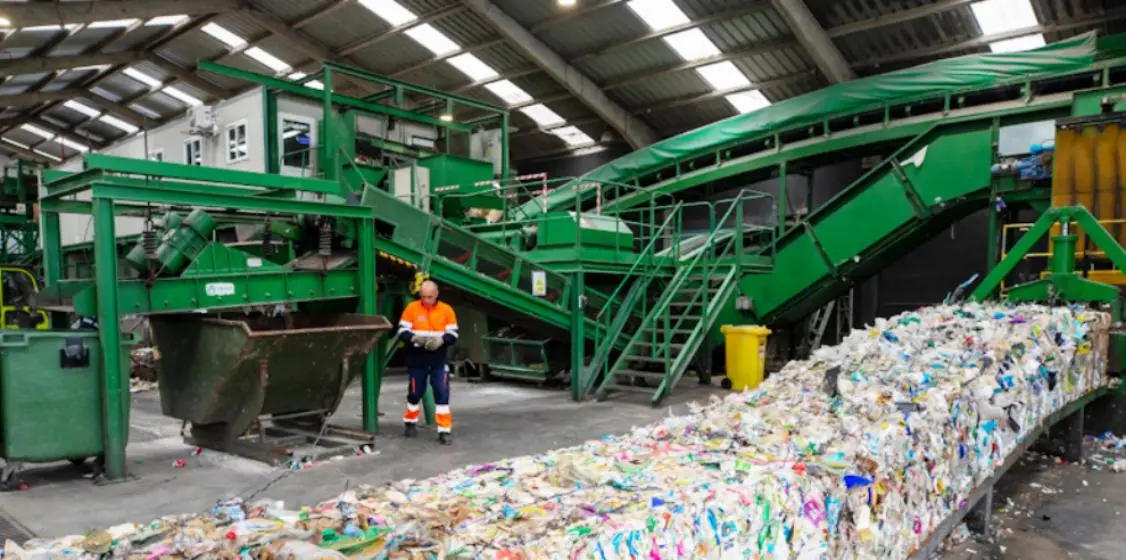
(860, 452)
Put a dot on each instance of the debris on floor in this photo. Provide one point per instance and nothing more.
(1107, 452)
(861, 451)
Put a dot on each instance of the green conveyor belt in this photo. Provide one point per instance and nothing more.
(945, 115)
(488, 274)
(832, 109)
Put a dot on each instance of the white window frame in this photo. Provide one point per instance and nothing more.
(198, 141)
(156, 154)
(231, 147)
(297, 171)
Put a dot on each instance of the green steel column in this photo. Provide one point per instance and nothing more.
(1063, 249)
(272, 147)
(113, 403)
(578, 340)
(52, 248)
(782, 198)
(328, 143)
(373, 371)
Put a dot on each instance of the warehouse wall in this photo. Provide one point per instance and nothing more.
(569, 165)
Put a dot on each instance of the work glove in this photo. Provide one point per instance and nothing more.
(433, 343)
(417, 340)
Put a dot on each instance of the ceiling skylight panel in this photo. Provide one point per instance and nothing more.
(268, 60)
(15, 143)
(37, 131)
(183, 96)
(145, 111)
(390, 11)
(111, 23)
(508, 92)
(46, 155)
(55, 138)
(142, 77)
(723, 76)
(692, 45)
(574, 137)
(658, 14)
(67, 27)
(543, 116)
(435, 41)
(81, 108)
(1025, 43)
(315, 84)
(224, 35)
(999, 16)
(118, 123)
(472, 67)
(748, 101)
(167, 20)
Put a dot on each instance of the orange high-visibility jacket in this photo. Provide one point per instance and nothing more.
(418, 319)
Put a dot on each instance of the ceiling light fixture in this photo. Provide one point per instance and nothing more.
(567, 3)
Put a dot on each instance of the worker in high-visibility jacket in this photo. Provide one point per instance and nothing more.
(427, 327)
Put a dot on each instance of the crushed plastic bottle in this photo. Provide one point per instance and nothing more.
(922, 408)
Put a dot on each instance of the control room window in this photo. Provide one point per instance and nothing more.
(238, 148)
(156, 155)
(193, 151)
(297, 143)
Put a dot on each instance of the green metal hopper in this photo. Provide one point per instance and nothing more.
(226, 376)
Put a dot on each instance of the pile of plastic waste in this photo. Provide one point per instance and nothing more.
(859, 452)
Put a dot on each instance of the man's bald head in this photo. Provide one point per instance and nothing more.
(428, 292)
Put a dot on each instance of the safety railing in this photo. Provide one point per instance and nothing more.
(1098, 266)
(507, 225)
(658, 329)
(613, 318)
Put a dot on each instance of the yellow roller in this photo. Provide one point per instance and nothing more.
(1085, 173)
(1120, 179)
(1063, 175)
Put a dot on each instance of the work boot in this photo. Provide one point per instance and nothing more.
(445, 438)
(410, 431)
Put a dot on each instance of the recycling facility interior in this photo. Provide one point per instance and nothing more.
(214, 212)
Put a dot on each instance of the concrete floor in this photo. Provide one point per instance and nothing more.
(491, 421)
(1044, 510)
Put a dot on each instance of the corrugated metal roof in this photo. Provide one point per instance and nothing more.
(612, 25)
(604, 43)
(294, 9)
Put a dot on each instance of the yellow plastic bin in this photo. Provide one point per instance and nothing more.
(746, 355)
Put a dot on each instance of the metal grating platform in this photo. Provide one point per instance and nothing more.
(12, 530)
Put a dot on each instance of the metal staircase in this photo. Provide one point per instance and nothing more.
(681, 317)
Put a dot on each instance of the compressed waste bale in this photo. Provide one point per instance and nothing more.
(859, 452)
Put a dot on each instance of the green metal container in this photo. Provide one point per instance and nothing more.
(51, 407)
(448, 170)
(222, 374)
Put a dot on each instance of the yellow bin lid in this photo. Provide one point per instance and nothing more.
(744, 329)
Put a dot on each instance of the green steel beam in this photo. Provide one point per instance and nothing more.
(118, 190)
(317, 95)
(993, 279)
(114, 164)
(114, 394)
(414, 88)
(177, 295)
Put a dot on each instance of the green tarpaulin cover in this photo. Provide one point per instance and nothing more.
(965, 73)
